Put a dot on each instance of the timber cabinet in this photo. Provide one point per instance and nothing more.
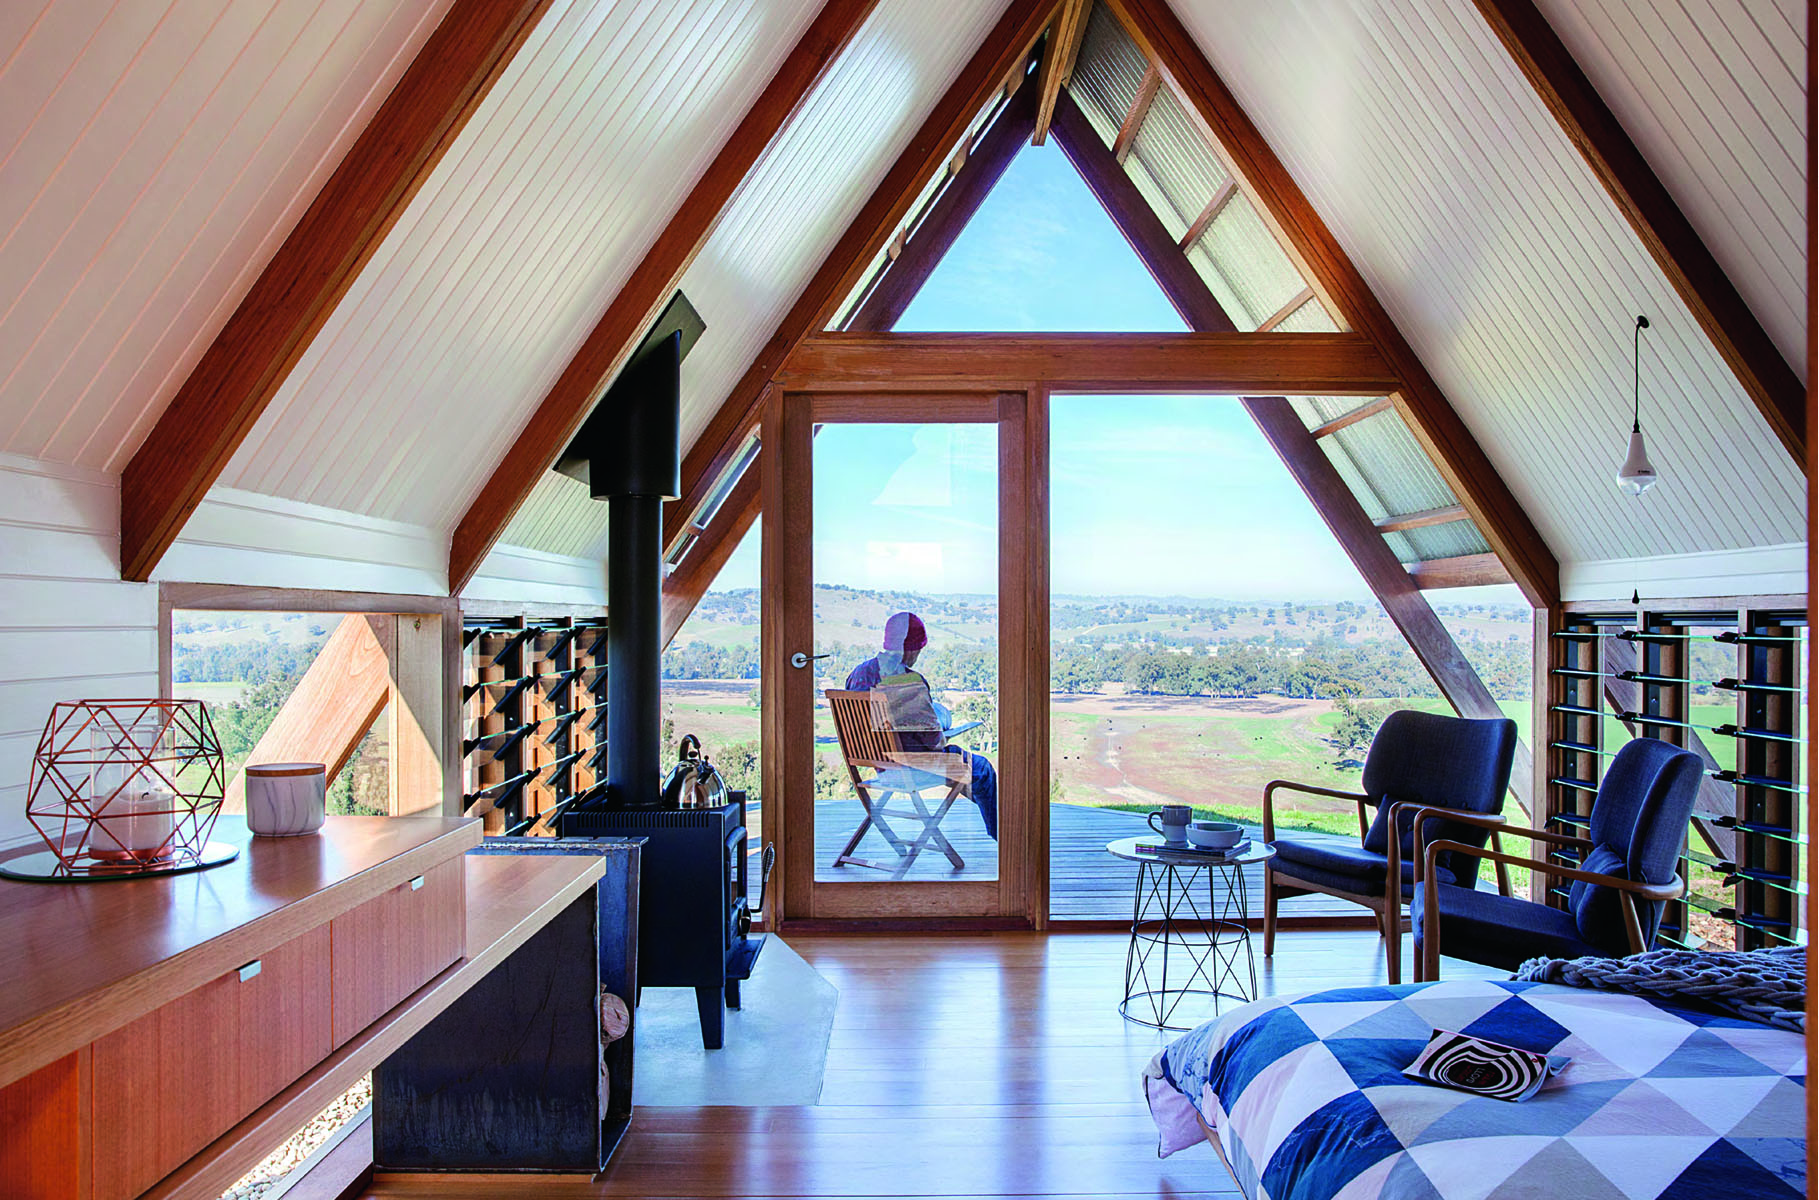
(143, 1021)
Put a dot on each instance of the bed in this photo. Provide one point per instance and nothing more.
(1305, 1099)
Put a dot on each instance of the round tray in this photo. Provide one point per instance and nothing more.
(44, 867)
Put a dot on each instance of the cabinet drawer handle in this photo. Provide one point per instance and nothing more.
(417, 884)
(251, 970)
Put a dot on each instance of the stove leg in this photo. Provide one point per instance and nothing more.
(713, 1017)
(732, 994)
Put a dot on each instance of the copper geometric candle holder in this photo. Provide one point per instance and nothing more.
(124, 788)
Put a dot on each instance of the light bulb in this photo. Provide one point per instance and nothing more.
(1637, 475)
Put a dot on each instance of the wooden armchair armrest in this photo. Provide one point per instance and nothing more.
(1418, 816)
(1628, 891)
(955, 768)
(1269, 802)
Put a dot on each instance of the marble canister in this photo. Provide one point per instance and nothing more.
(285, 799)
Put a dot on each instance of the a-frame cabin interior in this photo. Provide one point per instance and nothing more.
(1032, 445)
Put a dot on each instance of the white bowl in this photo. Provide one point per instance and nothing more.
(1215, 835)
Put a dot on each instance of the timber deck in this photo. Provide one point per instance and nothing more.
(1085, 883)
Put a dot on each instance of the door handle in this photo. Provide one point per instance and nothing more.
(800, 660)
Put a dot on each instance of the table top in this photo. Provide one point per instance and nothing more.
(1257, 852)
(83, 958)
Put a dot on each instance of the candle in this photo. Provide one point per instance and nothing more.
(137, 821)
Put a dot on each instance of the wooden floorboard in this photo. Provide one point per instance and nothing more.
(960, 1066)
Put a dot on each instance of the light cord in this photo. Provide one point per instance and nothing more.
(1641, 324)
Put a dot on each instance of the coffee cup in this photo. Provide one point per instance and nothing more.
(1171, 821)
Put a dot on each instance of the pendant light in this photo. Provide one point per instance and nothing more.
(1637, 475)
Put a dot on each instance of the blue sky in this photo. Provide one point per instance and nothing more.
(1151, 495)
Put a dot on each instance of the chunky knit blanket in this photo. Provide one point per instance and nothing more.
(1768, 986)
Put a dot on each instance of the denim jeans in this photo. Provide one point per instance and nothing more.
(984, 790)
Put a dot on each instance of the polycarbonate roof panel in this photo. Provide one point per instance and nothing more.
(1155, 194)
(1185, 168)
(1240, 248)
(1311, 317)
(1107, 73)
(1447, 541)
(1392, 466)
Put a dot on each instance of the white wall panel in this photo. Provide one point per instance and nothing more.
(73, 631)
(1757, 571)
(515, 575)
(1713, 92)
(153, 156)
(244, 538)
(465, 315)
(1508, 268)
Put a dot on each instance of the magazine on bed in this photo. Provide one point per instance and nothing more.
(1471, 1064)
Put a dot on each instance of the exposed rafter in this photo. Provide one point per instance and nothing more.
(1465, 570)
(1346, 419)
(934, 234)
(252, 356)
(1210, 213)
(1065, 33)
(1358, 536)
(1778, 391)
(1289, 308)
(683, 590)
(1421, 520)
(1220, 363)
(1430, 417)
(1005, 49)
(1139, 111)
(649, 288)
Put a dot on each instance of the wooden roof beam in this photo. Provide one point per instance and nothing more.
(1209, 214)
(1347, 419)
(1778, 391)
(1140, 109)
(1292, 306)
(1425, 518)
(683, 589)
(249, 360)
(935, 234)
(1463, 465)
(1222, 363)
(1281, 426)
(1464, 570)
(651, 284)
(1065, 34)
(1005, 48)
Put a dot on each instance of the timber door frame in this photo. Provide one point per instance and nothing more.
(1018, 898)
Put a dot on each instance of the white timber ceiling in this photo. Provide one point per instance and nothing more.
(153, 156)
(804, 191)
(1713, 92)
(1509, 269)
(498, 269)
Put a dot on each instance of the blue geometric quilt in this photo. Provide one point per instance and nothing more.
(1309, 1101)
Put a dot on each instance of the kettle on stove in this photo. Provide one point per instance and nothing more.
(693, 782)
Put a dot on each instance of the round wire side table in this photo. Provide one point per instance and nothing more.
(1207, 940)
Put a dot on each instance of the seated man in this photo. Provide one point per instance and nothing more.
(920, 719)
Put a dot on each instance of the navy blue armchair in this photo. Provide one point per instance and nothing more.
(1419, 763)
(1625, 876)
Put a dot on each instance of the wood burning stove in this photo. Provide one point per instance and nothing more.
(692, 897)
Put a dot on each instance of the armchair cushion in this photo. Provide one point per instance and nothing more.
(1598, 911)
(1499, 931)
(1342, 866)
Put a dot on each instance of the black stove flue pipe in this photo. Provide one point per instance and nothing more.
(635, 465)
